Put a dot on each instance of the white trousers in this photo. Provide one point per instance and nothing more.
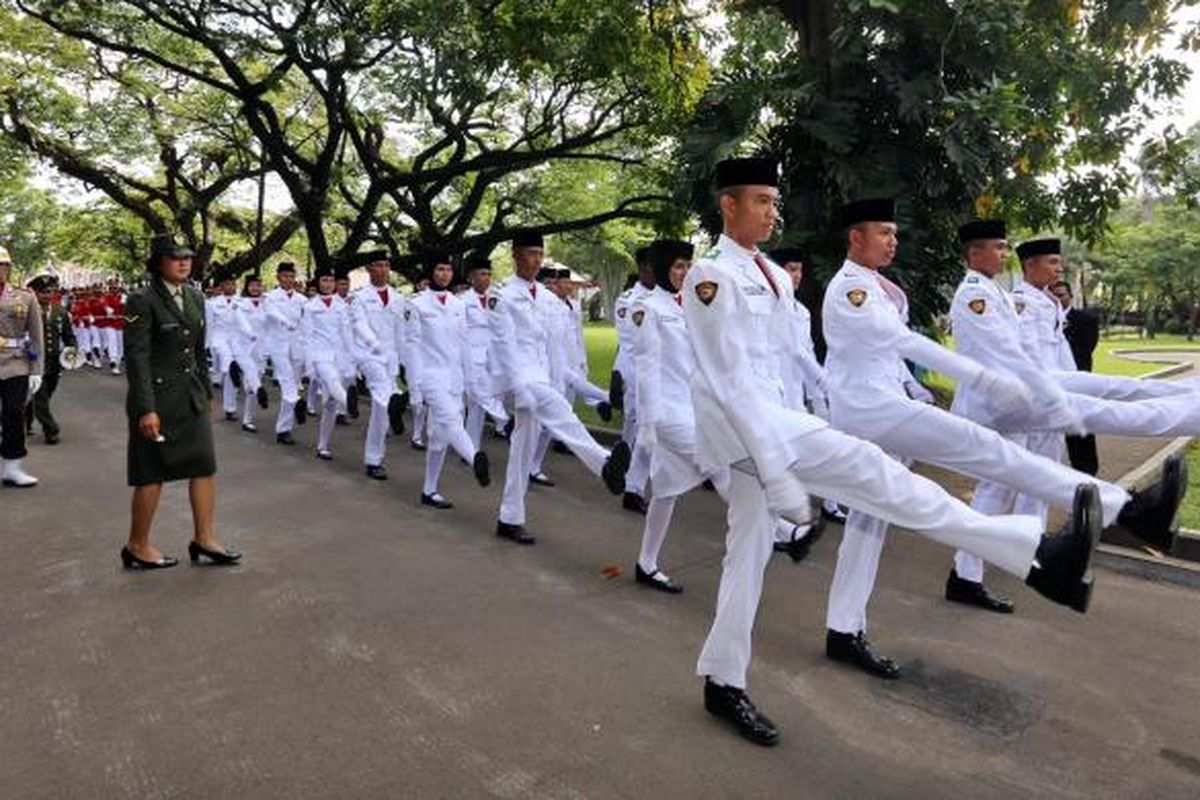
(114, 344)
(479, 408)
(551, 411)
(382, 386)
(1114, 387)
(333, 394)
(1172, 415)
(446, 431)
(289, 389)
(861, 475)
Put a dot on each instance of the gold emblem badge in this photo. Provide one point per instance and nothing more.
(978, 306)
(638, 316)
(1019, 307)
(856, 297)
(706, 292)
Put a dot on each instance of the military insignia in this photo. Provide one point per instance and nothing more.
(857, 297)
(1019, 306)
(621, 313)
(978, 306)
(706, 292)
(407, 314)
(493, 302)
(638, 316)
(131, 318)
(972, 279)
(713, 252)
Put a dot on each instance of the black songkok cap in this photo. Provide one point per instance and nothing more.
(978, 229)
(747, 172)
(642, 255)
(663, 254)
(1039, 247)
(478, 261)
(285, 266)
(371, 256)
(563, 274)
(787, 255)
(877, 209)
(527, 238)
(321, 272)
(545, 274)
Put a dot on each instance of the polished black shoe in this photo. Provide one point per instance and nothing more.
(376, 472)
(853, 648)
(615, 468)
(340, 419)
(301, 413)
(397, 405)
(483, 468)
(604, 410)
(734, 706)
(436, 501)
(284, 438)
(230, 416)
(352, 401)
(325, 455)
(798, 547)
(264, 401)
(540, 478)
(616, 390)
(1150, 513)
(632, 501)
(1061, 570)
(837, 516)
(51, 438)
(516, 533)
(222, 558)
(417, 445)
(130, 561)
(655, 580)
(959, 590)
(249, 427)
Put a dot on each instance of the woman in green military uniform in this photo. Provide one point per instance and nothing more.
(170, 434)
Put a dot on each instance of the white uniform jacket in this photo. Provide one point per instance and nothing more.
(281, 324)
(1042, 321)
(250, 317)
(439, 350)
(221, 319)
(377, 319)
(803, 375)
(325, 329)
(622, 310)
(479, 335)
(520, 353)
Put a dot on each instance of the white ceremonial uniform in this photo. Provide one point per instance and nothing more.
(737, 321)
(520, 365)
(221, 313)
(481, 395)
(553, 316)
(282, 343)
(439, 372)
(377, 319)
(639, 465)
(247, 352)
(114, 341)
(867, 341)
(327, 336)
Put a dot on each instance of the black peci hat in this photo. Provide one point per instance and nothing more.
(978, 229)
(875, 209)
(527, 238)
(788, 255)
(1039, 247)
(747, 172)
(477, 261)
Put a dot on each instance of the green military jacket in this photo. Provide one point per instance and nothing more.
(58, 333)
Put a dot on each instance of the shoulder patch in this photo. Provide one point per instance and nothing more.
(131, 318)
(979, 305)
(492, 302)
(706, 292)
(713, 252)
(1019, 305)
(857, 297)
(621, 313)
(638, 316)
(408, 313)
(972, 279)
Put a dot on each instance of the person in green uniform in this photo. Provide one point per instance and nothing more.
(57, 333)
(170, 433)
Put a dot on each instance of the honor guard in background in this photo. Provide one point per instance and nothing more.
(377, 317)
(58, 335)
(482, 400)
(521, 366)
(283, 309)
(439, 371)
(1082, 332)
(111, 321)
(222, 324)
(575, 360)
(248, 350)
(625, 376)
(325, 329)
(22, 362)
(550, 311)
(735, 304)
(170, 435)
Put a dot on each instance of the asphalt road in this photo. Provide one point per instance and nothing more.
(370, 647)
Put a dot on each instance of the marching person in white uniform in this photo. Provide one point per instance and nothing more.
(247, 350)
(439, 371)
(736, 313)
(325, 329)
(521, 366)
(482, 400)
(283, 308)
(377, 316)
(221, 323)
(625, 379)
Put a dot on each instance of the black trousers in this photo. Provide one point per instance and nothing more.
(12, 417)
(39, 406)
(1082, 452)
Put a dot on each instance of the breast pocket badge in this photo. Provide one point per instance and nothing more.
(706, 292)
(978, 306)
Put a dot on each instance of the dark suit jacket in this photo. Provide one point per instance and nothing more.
(1083, 334)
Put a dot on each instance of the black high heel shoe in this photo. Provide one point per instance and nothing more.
(130, 561)
(215, 556)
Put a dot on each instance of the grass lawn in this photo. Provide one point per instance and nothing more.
(600, 339)
(1189, 510)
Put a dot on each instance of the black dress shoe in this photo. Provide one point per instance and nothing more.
(604, 411)
(1061, 570)
(733, 705)
(301, 413)
(340, 419)
(230, 416)
(655, 580)
(540, 478)
(284, 438)
(51, 438)
(352, 401)
(130, 561)
(615, 467)
(853, 648)
(417, 445)
(837, 516)
(249, 427)
(222, 558)
(798, 547)
(959, 590)
(515, 532)
(483, 468)
(376, 472)
(616, 390)
(397, 405)
(632, 501)
(261, 395)
(436, 500)
(325, 455)
(1150, 513)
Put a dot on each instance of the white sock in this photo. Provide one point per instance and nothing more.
(433, 469)
(654, 534)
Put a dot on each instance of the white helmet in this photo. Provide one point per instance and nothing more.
(5, 258)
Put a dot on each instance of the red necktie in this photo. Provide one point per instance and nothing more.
(328, 301)
(442, 299)
(533, 289)
(766, 271)
(383, 297)
(679, 300)
(483, 302)
(893, 291)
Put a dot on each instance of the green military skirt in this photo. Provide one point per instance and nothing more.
(187, 452)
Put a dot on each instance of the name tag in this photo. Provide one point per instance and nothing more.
(753, 289)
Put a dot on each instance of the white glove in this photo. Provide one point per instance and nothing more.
(647, 435)
(523, 398)
(1063, 417)
(917, 391)
(415, 398)
(820, 406)
(35, 383)
(1004, 393)
(377, 350)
